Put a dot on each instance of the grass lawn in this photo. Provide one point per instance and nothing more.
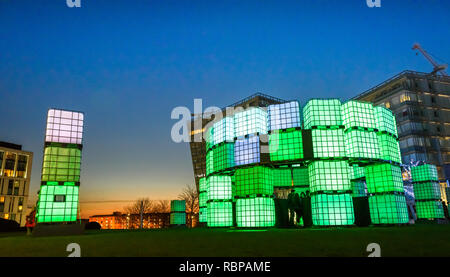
(414, 240)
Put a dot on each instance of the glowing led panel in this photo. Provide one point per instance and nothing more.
(223, 156)
(357, 172)
(209, 138)
(285, 145)
(178, 205)
(64, 126)
(425, 172)
(385, 120)
(358, 114)
(282, 177)
(253, 180)
(429, 209)
(219, 188)
(328, 143)
(359, 188)
(284, 116)
(384, 178)
(427, 191)
(247, 150)
(209, 162)
(388, 209)
(203, 214)
(224, 130)
(61, 164)
(300, 176)
(329, 176)
(361, 144)
(389, 148)
(332, 209)
(220, 214)
(251, 121)
(57, 203)
(255, 212)
(178, 218)
(322, 112)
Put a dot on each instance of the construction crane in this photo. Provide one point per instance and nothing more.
(437, 68)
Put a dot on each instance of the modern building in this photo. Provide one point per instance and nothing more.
(118, 220)
(15, 174)
(198, 143)
(421, 104)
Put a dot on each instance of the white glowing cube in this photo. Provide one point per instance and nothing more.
(64, 126)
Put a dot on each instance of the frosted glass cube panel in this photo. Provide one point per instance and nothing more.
(358, 114)
(332, 209)
(388, 209)
(251, 121)
(283, 116)
(329, 176)
(247, 150)
(385, 120)
(224, 130)
(322, 112)
(220, 214)
(178, 206)
(64, 126)
(255, 212)
(57, 203)
(219, 188)
(425, 172)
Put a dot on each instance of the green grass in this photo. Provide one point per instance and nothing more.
(415, 240)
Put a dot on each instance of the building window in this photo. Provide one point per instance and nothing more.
(1, 159)
(2, 204)
(9, 164)
(387, 105)
(21, 166)
(404, 98)
(16, 187)
(10, 187)
(433, 100)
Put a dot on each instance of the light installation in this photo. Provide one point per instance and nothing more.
(202, 199)
(427, 192)
(177, 212)
(60, 176)
(342, 151)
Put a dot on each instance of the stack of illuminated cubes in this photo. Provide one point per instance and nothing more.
(344, 151)
(331, 191)
(177, 212)
(427, 192)
(202, 200)
(374, 132)
(60, 178)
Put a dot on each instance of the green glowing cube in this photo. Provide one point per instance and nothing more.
(389, 147)
(388, 209)
(384, 178)
(358, 114)
(427, 191)
(178, 205)
(202, 214)
(202, 185)
(328, 143)
(223, 156)
(425, 172)
(322, 112)
(253, 180)
(210, 162)
(300, 176)
(255, 212)
(61, 164)
(282, 177)
(224, 130)
(429, 209)
(57, 203)
(359, 188)
(220, 214)
(202, 198)
(332, 209)
(285, 145)
(251, 121)
(362, 144)
(177, 218)
(220, 188)
(385, 121)
(329, 175)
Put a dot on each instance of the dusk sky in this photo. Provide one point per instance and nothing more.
(128, 64)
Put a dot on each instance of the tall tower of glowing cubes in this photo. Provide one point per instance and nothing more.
(331, 199)
(427, 192)
(202, 200)
(60, 178)
(177, 212)
(371, 137)
(253, 182)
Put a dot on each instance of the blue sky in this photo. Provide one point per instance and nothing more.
(127, 64)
